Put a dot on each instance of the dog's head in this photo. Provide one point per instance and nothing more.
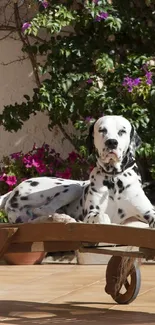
(113, 137)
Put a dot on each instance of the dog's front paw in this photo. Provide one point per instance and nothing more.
(152, 223)
(99, 218)
(62, 217)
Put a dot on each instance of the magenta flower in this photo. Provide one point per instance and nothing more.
(41, 169)
(11, 180)
(25, 26)
(72, 157)
(15, 155)
(101, 16)
(96, 1)
(66, 174)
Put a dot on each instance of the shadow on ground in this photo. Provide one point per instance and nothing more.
(32, 313)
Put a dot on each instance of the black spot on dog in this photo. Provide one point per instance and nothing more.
(91, 207)
(93, 189)
(92, 176)
(97, 207)
(19, 220)
(120, 183)
(34, 183)
(120, 186)
(92, 184)
(111, 197)
(24, 198)
(119, 198)
(14, 205)
(80, 217)
(86, 189)
(29, 181)
(66, 186)
(57, 194)
(136, 170)
(98, 172)
(85, 212)
(13, 200)
(81, 202)
(124, 174)
(127, 186)
(77, 208)
(61, 179)
(41, 195)
(120, 211)
(109, 184)
(58, 183)
(122, 216)
(66, 190)
(129, 174)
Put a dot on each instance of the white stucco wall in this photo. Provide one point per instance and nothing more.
(16, 79)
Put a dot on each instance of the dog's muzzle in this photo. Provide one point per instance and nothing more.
(111, 144)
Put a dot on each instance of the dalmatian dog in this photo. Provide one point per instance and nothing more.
(112, 194)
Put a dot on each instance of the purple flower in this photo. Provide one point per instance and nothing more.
(130, 83)
(136, 81)
(89, 81)
(88, 119)
(148, 76)
(25, 26)
(15, 155)
(96, 1)
(44, 3)
(101, 16)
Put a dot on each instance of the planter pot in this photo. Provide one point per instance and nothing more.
(29, 258)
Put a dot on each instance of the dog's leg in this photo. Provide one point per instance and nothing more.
(136, 200)
(95, 206)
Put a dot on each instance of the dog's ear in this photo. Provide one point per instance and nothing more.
(135, 140)
(90, 138)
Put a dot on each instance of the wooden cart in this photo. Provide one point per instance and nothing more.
(122, 270)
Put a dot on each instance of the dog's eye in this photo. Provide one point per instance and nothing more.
(121, 132)
(102, 130)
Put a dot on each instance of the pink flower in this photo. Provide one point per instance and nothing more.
(41, 169)
(11, 180)
(66, 174)
(25, 26)
(8, 179)
(27, 160)
(72, 157)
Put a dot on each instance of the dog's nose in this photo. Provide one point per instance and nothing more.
(111, 143)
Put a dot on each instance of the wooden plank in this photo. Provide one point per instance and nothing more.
(114, 252)
(6, 236)
(43, 247)
(92, 233)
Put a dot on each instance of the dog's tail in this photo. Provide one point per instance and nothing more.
(3, 199)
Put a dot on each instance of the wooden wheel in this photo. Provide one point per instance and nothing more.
(123, 287)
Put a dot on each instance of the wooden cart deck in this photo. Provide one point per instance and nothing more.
(65, 237)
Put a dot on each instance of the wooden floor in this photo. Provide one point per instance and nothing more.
(69, 294)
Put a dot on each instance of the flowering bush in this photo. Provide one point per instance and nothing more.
(99, 57)
(42, 161)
